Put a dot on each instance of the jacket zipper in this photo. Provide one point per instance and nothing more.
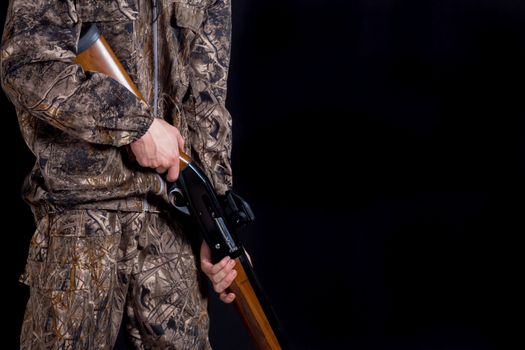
(155, 60)
(155, 35)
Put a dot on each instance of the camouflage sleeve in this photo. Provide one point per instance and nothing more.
(39, 76)
(210, 62)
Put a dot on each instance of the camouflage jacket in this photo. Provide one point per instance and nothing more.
(77, 124)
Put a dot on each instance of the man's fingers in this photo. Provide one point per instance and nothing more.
(221, 286)
(180, 140)
(173, 173)
(227, 298)
(205, 252)
(212, 269)
(220, 274)
(159, 148)
(223, 273)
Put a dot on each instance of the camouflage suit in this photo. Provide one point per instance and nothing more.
(103, 246)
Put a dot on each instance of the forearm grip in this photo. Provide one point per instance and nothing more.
(251, 311)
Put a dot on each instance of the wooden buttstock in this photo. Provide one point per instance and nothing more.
(99, 57)
(251, 311)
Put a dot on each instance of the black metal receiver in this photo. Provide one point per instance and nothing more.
(218, 217)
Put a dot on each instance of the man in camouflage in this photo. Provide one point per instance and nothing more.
(104, 248)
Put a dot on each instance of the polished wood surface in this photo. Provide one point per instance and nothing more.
(99, 57)
(252, 312)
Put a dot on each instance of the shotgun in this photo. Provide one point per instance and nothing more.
(218, 218)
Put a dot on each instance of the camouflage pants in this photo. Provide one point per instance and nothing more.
(89, 269)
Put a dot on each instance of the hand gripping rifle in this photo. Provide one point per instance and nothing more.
(217, 217)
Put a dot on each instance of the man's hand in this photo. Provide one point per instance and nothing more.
(159, 148)
(220, 274)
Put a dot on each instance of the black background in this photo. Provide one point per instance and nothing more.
(381, 144)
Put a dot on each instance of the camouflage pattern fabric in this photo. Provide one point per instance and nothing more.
(83, 266)
(77, 124)
(102, 248)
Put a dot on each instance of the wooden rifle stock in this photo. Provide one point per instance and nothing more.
(95, 55)
(251, 310)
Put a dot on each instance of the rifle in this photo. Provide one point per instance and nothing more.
(217, 217)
